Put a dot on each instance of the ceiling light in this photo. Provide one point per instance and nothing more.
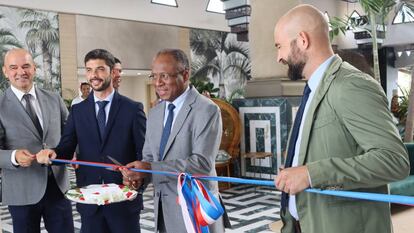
(165, 2)
(215, 6)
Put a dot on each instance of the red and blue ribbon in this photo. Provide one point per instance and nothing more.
(201, 208)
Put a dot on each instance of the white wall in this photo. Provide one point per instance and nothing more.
(134, 43)
(135, 87)
(190, 13)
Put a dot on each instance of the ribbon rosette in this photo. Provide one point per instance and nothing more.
(199, 207)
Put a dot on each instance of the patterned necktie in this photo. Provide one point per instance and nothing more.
(167, 129)
(293, 139)
(32, 114)
(102, 117)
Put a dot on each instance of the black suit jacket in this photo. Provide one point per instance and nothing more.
(123, 140)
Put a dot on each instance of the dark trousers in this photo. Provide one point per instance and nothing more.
(105, 220)
(53, 207)
(161, 223)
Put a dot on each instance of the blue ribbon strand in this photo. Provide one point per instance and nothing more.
(397, 199)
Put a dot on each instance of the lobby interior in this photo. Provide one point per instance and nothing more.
(256, 98)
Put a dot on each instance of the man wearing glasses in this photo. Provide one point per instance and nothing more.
(183, 135)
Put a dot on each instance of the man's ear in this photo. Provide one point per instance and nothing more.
(303, 41)
(4, 72)
(186, 75)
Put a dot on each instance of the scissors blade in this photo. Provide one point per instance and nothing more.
(116, 162)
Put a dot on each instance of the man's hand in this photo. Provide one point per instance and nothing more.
(293, 180)
(74, 158)
(24, 158)
(44, 156)
(134, 179)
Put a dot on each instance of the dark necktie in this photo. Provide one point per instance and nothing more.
(293, 139)
(101, 117)
(167, 129)
(32, 114)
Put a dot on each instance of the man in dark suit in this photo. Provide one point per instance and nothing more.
(106, 123)
(33, 119)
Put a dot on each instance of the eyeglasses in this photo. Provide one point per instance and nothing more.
(165, 77)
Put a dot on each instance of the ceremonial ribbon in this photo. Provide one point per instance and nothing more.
(203, 208)
(199, 207)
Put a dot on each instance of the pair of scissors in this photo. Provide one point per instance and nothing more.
(116, 162)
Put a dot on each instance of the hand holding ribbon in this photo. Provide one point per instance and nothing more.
(134, 179)
(44, 156)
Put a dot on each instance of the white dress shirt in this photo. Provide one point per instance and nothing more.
(107, 107)
(178, 102)
(36, 106)
(313, 84)
(77, 100)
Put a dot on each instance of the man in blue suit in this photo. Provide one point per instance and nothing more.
(106, 123)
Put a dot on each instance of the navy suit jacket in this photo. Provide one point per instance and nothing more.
(123, 140)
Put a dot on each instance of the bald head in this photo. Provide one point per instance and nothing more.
(303, 18)
(302, 39)
(19, 69)
(17, 52)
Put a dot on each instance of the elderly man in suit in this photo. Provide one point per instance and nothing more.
(183, 135)
(106, 123)
(30, 120)
(343, 136)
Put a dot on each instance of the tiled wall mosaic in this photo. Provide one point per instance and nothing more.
(265, 126)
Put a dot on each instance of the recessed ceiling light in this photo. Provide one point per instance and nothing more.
(165, 2)
(215, 6)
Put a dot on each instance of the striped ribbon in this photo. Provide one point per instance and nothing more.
(397, 199)
(198, 206)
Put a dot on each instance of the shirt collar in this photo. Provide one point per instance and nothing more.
(20, 94)
(108, 98)
(180, 99)
(317, 75)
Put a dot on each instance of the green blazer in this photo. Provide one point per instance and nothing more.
(349, 142)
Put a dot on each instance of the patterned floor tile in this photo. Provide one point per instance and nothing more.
(250, 210)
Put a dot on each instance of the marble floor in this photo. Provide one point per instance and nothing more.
(250, 210)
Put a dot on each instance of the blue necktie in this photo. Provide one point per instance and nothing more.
(101, 117)
(167, 129)
(293, 139)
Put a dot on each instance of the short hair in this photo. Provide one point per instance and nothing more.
(84, 84)
(117, 60)
(178, 55)
(101, 54)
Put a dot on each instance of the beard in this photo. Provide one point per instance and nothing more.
(105, 84)
(295, 70)
(296, 62)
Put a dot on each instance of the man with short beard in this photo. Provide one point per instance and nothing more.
(106, 123)
(343, 137)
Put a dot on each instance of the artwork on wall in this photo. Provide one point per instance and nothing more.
(38, 32)
(218, 57)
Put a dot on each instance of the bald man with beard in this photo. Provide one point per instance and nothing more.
(343, 137)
